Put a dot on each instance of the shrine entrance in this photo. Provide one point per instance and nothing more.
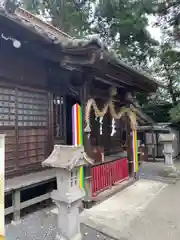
(108, 142)
(109, 123)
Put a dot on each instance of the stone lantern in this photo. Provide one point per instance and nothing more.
(67, 160)
(167, 141)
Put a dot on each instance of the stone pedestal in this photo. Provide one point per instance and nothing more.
(68, 197)
(88, 188)
(68, 218)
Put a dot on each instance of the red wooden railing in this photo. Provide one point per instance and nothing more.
(105, 175)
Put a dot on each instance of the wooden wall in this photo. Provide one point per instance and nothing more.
(17, 67)
(24, 116)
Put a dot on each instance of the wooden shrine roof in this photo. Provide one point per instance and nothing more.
(57, 46)
(146, 123)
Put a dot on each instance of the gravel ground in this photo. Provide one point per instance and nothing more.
(160, 221)
(41, 225)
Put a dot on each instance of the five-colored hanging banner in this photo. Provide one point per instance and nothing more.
(135, 150)
(77, 133)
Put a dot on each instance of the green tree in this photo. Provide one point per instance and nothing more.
(166, 68)
(123, 25)
(71, 16)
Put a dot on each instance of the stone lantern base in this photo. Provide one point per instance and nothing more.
(171, 171)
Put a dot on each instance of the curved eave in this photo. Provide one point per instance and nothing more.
(148, 84)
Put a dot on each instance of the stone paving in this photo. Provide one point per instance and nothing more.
(114, 215)
(161, 219)
(117, 212)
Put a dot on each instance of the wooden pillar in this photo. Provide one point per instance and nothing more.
(50, 125)
(84, 95)
(153, 147)
(157, 145)
(129, 146)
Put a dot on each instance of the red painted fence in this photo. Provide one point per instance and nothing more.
(105, 175)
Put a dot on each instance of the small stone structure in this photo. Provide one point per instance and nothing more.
(167, 141)
(67, 161)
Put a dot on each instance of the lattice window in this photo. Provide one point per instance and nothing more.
(74, 177)
(7, 107)
(32, 109)
(24, 120)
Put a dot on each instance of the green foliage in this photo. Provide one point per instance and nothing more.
(169, 16)
(122, 23)
(159, 112)
(167, 65)
(166, 68)
(175, 113)
(71, 16)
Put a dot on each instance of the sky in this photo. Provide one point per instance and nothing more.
(154, 31)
